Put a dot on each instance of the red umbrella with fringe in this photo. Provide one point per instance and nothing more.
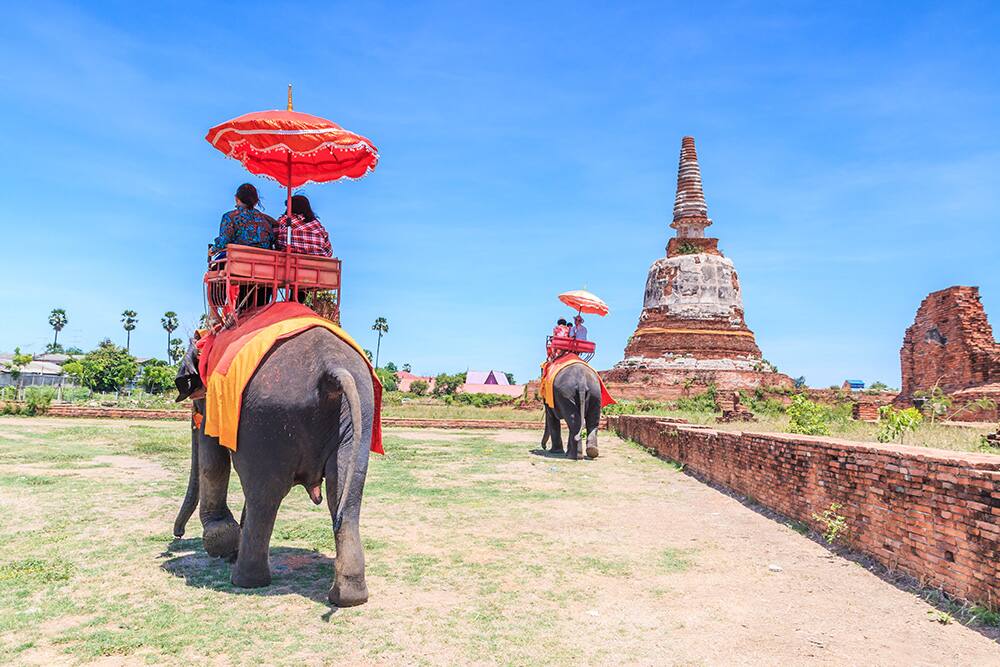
(294, 148)
(584, 302)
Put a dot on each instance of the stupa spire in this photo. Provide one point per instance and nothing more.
(690, 209)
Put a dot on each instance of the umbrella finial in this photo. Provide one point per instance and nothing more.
(289, 97)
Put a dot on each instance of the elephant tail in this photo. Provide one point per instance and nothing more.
(191, 497)
(581, 395)
(350, 393)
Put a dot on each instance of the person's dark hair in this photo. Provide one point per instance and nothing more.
(301, 206)
(562, 322)
(247, 194)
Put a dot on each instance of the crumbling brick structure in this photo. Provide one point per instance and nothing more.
(691, 331)
(950, 345)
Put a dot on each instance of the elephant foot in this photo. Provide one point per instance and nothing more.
(557, 450)
(250, 577)
(592, 452)
(348, 592)
(222, 538)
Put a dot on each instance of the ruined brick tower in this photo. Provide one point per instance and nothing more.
(691, 331)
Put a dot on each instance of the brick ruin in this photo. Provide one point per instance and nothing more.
(951, 345)
(691, 331)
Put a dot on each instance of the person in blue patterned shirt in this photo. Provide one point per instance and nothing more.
(245, 225)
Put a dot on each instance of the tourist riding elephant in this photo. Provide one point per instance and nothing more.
(306, 415)
(576, 393)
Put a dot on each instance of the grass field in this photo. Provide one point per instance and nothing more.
(479, 551)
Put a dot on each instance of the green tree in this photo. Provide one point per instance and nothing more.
(893, 423)
(448, 385)
(157, 376)
(418, 387)
(176, 350)
(169, 322)
(108, 368)
(387, 378)
(799, 382)
(16, 364)
(510, 377)
(391, 367)
(368, 353)
(129, 319)
(878, 385)
(807, 417)
(58, 321)
(382, 327)
(73, 350)
(406, 368)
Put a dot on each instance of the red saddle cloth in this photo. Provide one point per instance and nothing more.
(229, 358)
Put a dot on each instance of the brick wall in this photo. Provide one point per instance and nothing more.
(933, 514)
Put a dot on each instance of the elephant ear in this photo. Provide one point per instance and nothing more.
(188, 380)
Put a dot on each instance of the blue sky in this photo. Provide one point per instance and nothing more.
(849, 151)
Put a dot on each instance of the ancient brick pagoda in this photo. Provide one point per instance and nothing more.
(691, 332)
(950, 345)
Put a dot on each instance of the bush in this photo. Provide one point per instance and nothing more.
(158, 377)
(478, 400)
(108, 368)
(762, 404)
(387, 378)
(38, 399)
(893, 423)
(419, 388)
(807, 417)
(703, 402)
(634, 407)
(447, 385)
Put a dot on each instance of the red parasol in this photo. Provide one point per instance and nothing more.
(584, 302)
(294, 148)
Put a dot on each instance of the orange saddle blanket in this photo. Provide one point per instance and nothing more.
(551, 369)
(228, 360)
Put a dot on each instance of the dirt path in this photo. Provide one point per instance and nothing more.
(479, 551)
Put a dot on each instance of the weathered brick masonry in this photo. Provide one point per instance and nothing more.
(933, 514)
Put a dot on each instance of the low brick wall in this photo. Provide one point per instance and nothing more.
(931, 513)
(115, 413)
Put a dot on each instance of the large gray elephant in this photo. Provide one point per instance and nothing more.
(576, 393)
(306, 416)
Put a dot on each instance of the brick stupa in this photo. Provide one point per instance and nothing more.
(691, 332)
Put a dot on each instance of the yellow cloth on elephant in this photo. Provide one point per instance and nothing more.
(226, 382)
(551, 369)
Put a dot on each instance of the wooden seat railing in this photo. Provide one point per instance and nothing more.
(248, 278)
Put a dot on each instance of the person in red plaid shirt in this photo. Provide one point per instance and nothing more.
(308, 235)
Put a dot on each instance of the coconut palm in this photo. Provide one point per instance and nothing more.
(129, 319)
(382, 327)
(170, 323)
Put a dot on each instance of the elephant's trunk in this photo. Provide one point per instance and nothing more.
(350, 394)
(191, 497)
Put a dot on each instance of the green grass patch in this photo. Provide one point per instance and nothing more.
(676, 560)
(33, 570)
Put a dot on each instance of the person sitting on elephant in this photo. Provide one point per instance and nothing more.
(308, 236)
(245, 225)
(578, 331)
(561, 330)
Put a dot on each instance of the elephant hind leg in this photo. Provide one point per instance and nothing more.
(349, 588)
(592, 450)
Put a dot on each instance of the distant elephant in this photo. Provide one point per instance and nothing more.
(306, 415)
(577, 396)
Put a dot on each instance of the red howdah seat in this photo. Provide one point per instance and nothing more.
(250, 277)
(557, 345)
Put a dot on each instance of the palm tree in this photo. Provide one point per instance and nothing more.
(57, 320)
(382, 327)
(170, 323)
(129, 319)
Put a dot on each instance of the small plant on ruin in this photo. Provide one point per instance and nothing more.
(807, 417)
(834, 524)
(893, 423)
(942, 617)
(687, 248)
(703, 402)
(937, 403)
(985, 616)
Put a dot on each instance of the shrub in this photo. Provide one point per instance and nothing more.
(807, 417)
(387, 378)
(893, 423)
(634, 407)
(158, 377)
(478, 400)
(108, 368)
(418, 387)
(38, 399)
(760, 403)
(703, 402)
(446, 385)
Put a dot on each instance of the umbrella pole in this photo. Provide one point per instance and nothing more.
(289, 292)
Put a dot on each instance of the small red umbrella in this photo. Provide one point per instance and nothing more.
(584, 302)
(294, 148)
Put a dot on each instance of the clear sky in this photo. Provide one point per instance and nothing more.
(850, 154)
